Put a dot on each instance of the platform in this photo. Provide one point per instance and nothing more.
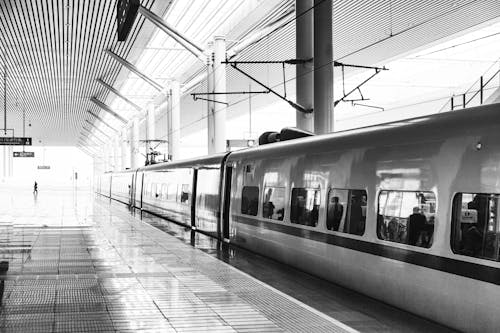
(80, 263)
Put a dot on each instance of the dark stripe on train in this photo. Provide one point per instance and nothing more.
(448, 265)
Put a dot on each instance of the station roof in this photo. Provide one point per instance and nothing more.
(54, 50)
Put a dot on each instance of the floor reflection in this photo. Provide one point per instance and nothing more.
(77, 263)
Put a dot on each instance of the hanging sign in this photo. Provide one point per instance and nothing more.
(126, 13)
(24, 154)
(43, 167)
(15, 141)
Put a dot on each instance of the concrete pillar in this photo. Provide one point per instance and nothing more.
(174, 121)
(116, 154)
(220, 86)
(124, 150)
(150, 127)
(304, 50)
(111, 157)
(323, 67)
(105, 161)
(162, 109)
(210, 105)
(135, 156)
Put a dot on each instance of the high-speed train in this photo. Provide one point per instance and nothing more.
(405, 212)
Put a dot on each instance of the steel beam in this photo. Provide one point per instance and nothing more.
(88, 139)
(88, 147)
(98, 130)
(108, 109)
(134, 69)
(87, 151)
(188, 44)
(94, 137)
(119, 94)
(95, 134)
(102, 121)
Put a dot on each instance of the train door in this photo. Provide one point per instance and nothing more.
(131, 192)
(193, 198)
(139, 181)
(110, 186)
(227, 203)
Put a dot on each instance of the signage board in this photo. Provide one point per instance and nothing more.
(43, 167)
(24, 154)
(15, 141)
(126, 13)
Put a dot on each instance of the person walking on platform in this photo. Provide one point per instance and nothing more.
(35, 188)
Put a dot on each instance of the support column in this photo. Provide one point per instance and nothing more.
(131, 145)
(210, 105)
(174, 121)
(105, 161)
(304, 50)
(125, 150)
(150, 127)
(323, 67)
(116, 154)
(162, 120)
(111, 156)
(220, 86)
(135, 160)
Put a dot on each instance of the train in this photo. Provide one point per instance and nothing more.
(406, 212)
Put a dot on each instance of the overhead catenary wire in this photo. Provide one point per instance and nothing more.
(233, 103)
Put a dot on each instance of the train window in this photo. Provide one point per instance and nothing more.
(172, 192)
(156, 191)
(406, 217)
(273, 206)
(346, 211)
(184, 195)
(475, 225)
(305, 206)
(164, 191)
(250, 200)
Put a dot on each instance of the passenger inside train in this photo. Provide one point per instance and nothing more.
(250, 200)
(305, 206)
(407, 217)
(335, 212)
(268, 206)
(475, 225)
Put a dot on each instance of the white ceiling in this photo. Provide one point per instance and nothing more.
(54, 52)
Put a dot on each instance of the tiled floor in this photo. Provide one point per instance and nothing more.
(77, 264)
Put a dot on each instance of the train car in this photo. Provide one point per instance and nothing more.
(121, 186)
(406, 212)
(104, 185)
(176, 190)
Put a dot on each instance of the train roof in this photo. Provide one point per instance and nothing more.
(197, 162)
(419, 129)
(424, 128)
